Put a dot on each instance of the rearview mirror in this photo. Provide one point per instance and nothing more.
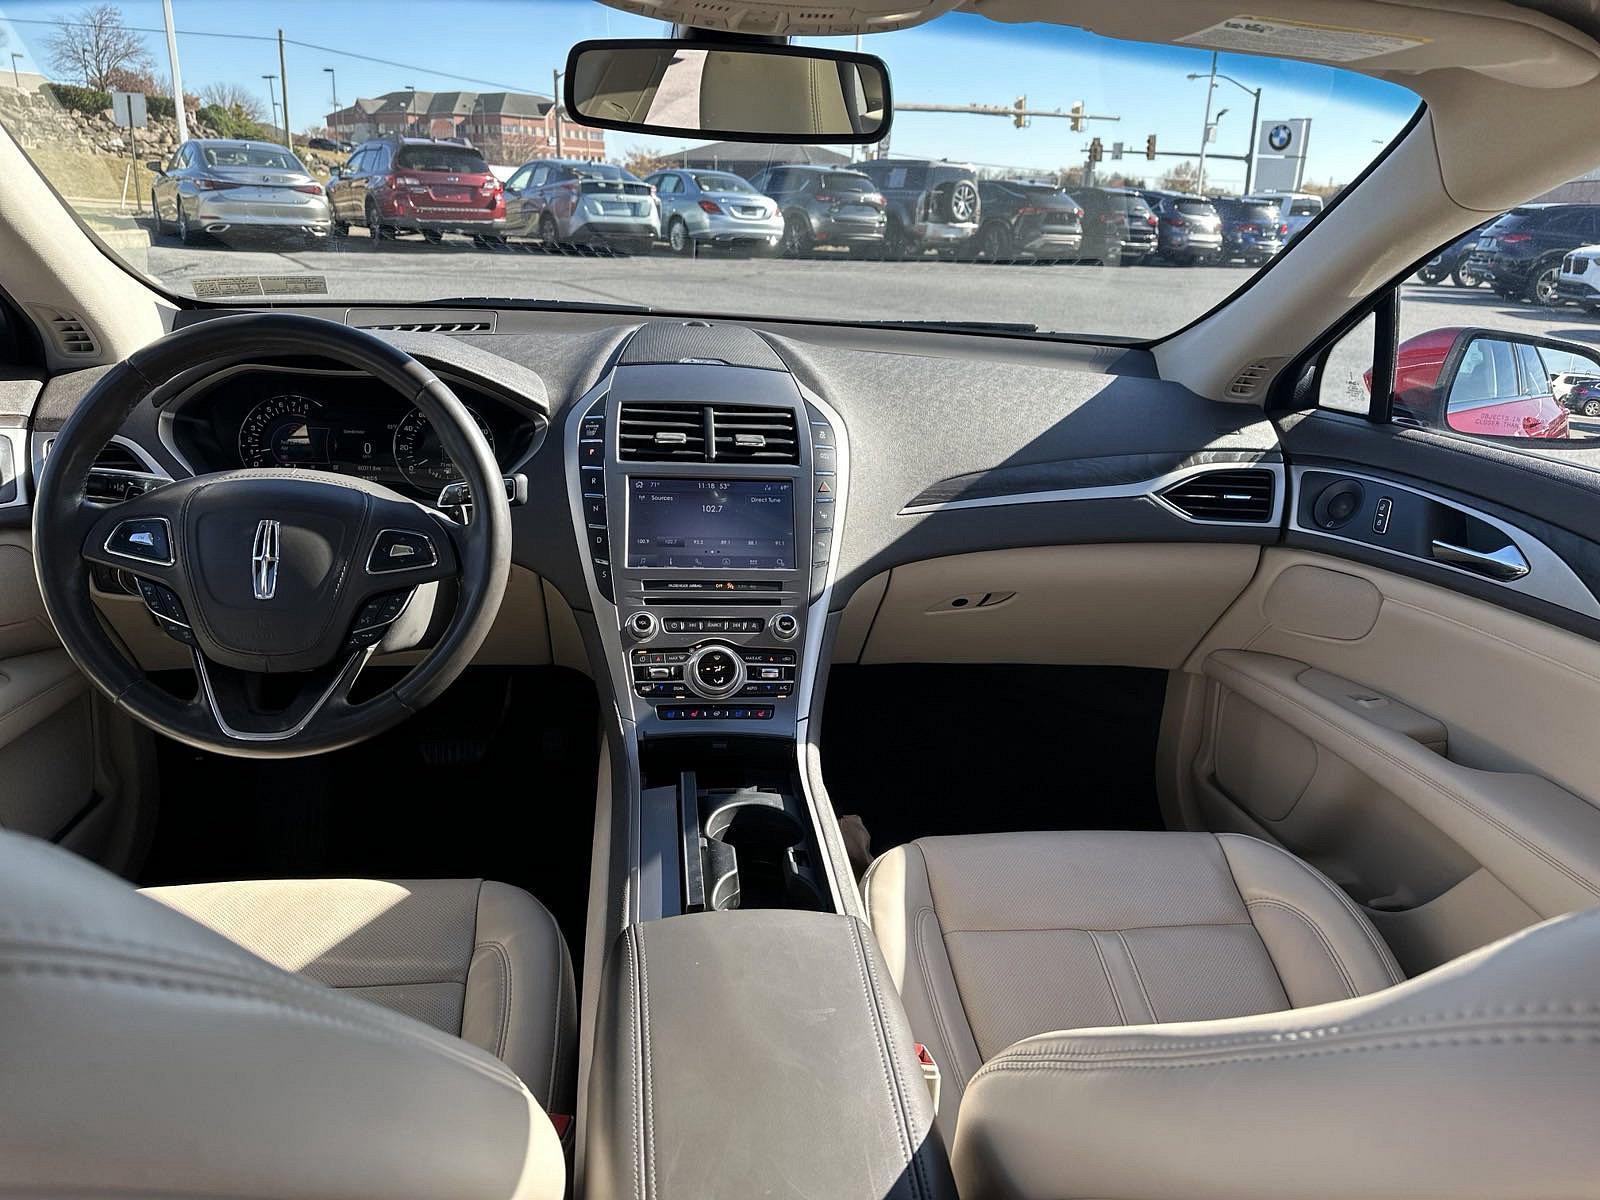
(1499, 385)
(733, 92)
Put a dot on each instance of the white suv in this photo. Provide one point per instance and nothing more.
(1579, 281)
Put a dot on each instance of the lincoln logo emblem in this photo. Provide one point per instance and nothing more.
(264, 560)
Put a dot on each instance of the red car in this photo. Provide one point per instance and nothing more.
(1500, 388)
(393, 185)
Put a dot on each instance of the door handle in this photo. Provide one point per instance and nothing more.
(1504, 564)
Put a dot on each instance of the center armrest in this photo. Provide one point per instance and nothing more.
(752, 1053)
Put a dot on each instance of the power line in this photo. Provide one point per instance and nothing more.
(258, 37)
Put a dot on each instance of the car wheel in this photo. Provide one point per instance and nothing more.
(548, 233)
(432, 236)
(155, 214)
(1542, 287)
(338, 228)
(1591, 408)
(896, 246)
(796, 236)
(997, 245)
(187, 234)
(678, 237)
(1464, 276)
(375, 227)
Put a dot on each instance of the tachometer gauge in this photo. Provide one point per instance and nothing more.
(282, 431)
(421, 456)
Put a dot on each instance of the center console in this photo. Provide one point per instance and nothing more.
(707, 487)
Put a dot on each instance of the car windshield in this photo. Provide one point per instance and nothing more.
(722, 183)
(249, 156)
(441, 158)
(383, 100)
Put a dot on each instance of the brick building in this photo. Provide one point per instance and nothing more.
(508, 128)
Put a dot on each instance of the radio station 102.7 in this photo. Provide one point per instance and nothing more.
(738, 524)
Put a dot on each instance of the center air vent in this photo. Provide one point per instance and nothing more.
(1227, 495)
(700, 433)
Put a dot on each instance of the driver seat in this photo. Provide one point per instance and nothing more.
(309, 1039)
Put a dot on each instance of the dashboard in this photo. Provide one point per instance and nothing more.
(332, 419)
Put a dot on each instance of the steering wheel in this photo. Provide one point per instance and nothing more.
(283, 582)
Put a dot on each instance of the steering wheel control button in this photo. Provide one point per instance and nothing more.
(144, 539)
(401, 550)
(167, 609)
(643, 625)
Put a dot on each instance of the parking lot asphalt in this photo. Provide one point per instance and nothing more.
(1139, 301)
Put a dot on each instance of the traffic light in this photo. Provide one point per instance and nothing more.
(1077, 116)
(1019, 115)
(1096, 152)
(1150, 147)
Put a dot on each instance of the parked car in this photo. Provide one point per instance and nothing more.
(1190, 230)
(1579, 280)
(715, 208)
(1119, 226)
(395, 185)
(931, 205)
(825, 205)
(1453, 262)
(1251, 229)
(565, 202)
(1295, 209)
(1563, 382)
(1034, 220)
(1583, 397)
(214, 186)
(323, 143)
(1500, 389)
(1521, 254)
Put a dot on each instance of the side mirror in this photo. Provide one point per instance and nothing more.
(1491, 384)
(736, 91)
(336, 173)
(157, 167)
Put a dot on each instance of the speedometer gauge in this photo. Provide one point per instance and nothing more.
(421, 456)
(282, 431)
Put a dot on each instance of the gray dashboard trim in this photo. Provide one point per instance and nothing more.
(1549, 579)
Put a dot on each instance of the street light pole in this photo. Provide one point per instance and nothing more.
(555, 107)
(177, 75)
(272, 98)
(333, 80)
(283, 65)
(1255, 123)
(411, 109)
(1205, 127)
(15, 78)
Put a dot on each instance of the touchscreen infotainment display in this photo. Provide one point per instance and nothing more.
(718, 523)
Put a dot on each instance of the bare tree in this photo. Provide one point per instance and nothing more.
(96, 48)
(240, 101)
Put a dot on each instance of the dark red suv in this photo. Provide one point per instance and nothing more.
(396, 185)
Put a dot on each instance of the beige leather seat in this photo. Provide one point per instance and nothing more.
(993, 939)
(145, 1054)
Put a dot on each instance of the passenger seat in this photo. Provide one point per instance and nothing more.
(995, 938)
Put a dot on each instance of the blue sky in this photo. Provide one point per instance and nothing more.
(958, 59)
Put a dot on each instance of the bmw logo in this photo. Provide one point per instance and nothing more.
(1279, 137)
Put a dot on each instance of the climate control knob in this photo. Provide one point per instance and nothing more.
(642, 625)
(783, 626)
(714, 672)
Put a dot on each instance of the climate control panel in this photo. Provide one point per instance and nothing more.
(713, 671)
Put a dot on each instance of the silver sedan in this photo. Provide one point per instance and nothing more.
(211, 186)
(715, 208)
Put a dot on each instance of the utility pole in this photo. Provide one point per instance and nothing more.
(177, 75)
(272, 98)
(411, 109)
(17, 79)
(555, 107)
(288, 138)
(1250, 149)
(333, 81)
(1205, 128)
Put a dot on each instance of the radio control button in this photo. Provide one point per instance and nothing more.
(643, 625)
(783, 626)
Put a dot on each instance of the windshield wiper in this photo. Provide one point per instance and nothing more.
(980, 326)
(537, 305)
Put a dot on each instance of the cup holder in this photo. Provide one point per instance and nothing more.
(755, 852)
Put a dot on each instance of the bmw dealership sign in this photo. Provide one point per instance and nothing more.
(1281, 154)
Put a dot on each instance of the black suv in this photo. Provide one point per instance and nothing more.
(1035, 220)
(932, 205)
(1119, 227)
(1521, 253)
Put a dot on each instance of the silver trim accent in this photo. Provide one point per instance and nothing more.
(264, 558)
(346, 676)
(1500, 565)
(1148, 489)
(19, 463)
(149, 562)
(1549, 578)
(433, 553)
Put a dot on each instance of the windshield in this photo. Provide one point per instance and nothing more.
(472, 85)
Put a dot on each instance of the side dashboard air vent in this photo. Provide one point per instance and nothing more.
(69, 333)
(764, 435)
(1225, 495)
(662, 433)
(1252, 377)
